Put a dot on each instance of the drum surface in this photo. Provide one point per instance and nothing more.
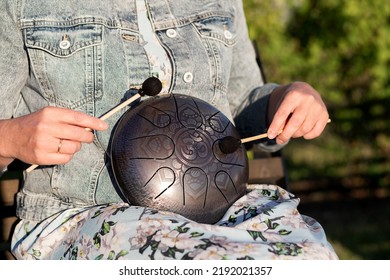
(165, 155)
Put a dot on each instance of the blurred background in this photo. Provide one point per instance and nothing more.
(342, 48)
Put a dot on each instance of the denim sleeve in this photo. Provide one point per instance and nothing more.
(248, 95)
(13, 59)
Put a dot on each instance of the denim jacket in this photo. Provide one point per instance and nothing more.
(84, 55)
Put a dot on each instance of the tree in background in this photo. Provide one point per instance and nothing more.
(342, 48)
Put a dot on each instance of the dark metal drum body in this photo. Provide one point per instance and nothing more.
(165, 155)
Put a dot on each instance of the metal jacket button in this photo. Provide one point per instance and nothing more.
(65, 44)
(188, 77)
(228, 34)
(171, 33)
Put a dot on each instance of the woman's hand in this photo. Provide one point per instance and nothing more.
(301, 113)
(48, 136)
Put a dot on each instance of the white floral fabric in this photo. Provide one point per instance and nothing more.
(263, 224)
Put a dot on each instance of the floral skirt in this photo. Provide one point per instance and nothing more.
(263, 224)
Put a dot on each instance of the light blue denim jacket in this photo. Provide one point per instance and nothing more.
(84, 55)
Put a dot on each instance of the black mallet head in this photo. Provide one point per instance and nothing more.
(229, 144)
(151, 87)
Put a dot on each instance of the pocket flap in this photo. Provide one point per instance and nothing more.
(63, 41)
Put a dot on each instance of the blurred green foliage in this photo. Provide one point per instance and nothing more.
(342, 48)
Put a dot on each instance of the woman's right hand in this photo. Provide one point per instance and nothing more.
(49, 136)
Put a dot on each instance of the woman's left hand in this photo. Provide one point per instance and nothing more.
(301, 113)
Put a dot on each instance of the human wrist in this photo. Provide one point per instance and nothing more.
(5, 155)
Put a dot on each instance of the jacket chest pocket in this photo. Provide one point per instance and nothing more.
(219, 36)
(67, 63)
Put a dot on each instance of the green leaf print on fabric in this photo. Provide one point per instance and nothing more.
(284, 232)
(257, 234)
(285, 248)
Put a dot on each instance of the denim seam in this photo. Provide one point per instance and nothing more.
(187, 20)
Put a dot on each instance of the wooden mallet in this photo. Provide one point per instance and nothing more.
(230, 144)
(150, 87)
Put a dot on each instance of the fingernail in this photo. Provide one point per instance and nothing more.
(271, 134)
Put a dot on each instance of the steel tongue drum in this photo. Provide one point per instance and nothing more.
(166, 154)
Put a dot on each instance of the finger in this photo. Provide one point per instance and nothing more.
(86, 121)
(56, 158)
(281, 117)
(68, 147)
(75, 118)
(55, 151)
(50, 158)
(316, 120)
(72, 133)
(318, 128)
(293, 124)
(307, 125)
